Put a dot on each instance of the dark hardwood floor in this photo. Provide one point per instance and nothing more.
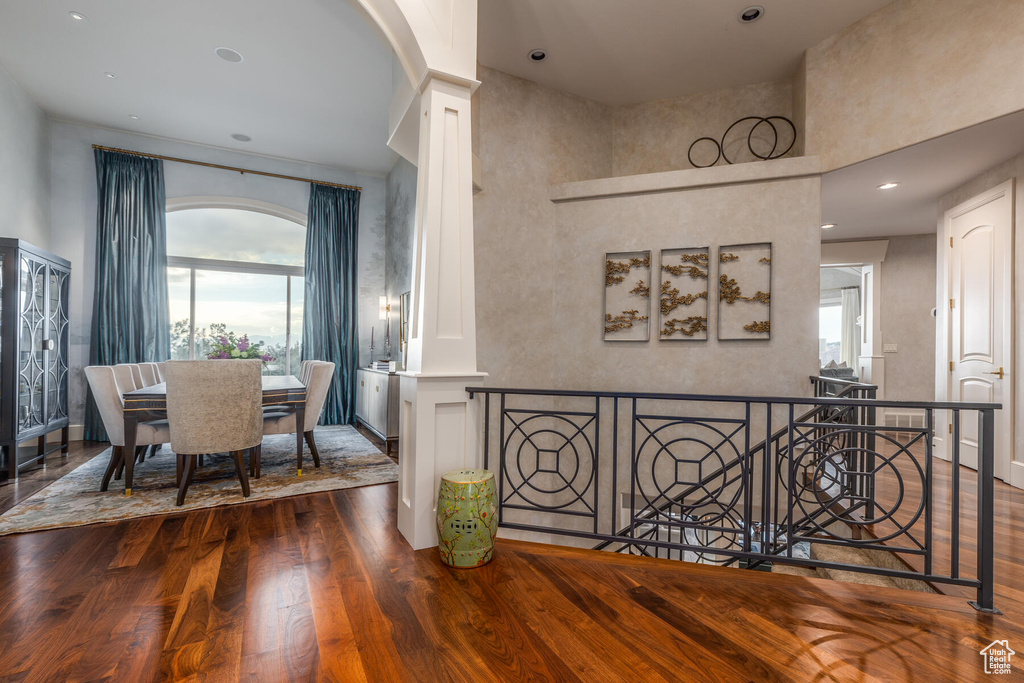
(323, 587)
(1008, 504)
(33, 479)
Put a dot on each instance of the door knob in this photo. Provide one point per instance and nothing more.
(1000, 373)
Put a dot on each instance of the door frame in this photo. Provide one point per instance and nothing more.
(868, 255)
(944, 323)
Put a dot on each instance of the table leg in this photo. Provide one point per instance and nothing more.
(131, 428)
(300, 422)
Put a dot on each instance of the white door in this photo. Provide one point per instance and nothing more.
(980, 317)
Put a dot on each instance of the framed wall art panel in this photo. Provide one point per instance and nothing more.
(627, 296)
(683, 300)
(744, 292)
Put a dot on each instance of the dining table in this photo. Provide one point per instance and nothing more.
(277, 390)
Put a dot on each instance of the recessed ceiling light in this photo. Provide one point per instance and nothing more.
(78, 16)
(888, 186)
(537, 55)
(752, 13)
(133, 117)
(110, 75)
(229, 55)
(241, 137)
(828, 226)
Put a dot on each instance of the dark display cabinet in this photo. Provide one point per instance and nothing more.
(34, 343)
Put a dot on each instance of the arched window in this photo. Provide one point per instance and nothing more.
(236, 270)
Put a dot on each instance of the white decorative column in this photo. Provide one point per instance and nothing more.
(440, 426)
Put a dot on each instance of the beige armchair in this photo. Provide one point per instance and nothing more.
(107, 392)
(214, 407)
(284, 422)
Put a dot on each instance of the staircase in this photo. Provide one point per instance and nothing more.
(809, 486)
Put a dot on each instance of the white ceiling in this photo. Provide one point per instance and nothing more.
(315, 83)
(925, 172)
(621, 52)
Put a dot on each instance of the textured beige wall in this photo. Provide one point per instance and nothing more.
(539, 264)
(24, 166)
(529, 137)
(908, 296)
(911, 71)
(799, 105)
(655, 136)
(1014, 168)
(785, 213)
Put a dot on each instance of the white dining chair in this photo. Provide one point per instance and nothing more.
(126, 378)
(284, 422)
(107, 394)
(149, 374)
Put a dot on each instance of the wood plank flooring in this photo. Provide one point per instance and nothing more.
(1008, 504)
(323, 587)
(35, 478)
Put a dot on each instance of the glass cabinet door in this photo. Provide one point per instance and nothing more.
(32, 321)
(58, 333)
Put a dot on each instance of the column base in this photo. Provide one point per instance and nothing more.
(439, 431)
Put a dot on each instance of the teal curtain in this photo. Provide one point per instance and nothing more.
(329, 311)
(130, 320)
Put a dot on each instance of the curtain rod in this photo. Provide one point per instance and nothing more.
(225, 168)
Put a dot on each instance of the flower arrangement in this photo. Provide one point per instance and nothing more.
(229, 346)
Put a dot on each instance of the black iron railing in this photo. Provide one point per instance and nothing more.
(743, 480)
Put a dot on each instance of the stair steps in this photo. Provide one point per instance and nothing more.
(866, 558)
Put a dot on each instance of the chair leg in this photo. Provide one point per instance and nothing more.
(190, 469)
(201, 463)
(240, 469)
(254, 462)
(140, 453)
(153, 449)
(259, 461)
(120, 466)
(179, 466)
(115, 459)
(312, 448)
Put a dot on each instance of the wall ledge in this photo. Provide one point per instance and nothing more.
(688, 179)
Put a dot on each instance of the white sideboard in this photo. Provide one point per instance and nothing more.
(377, 403)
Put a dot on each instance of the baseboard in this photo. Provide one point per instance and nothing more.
(1017, 475)
(75, 433)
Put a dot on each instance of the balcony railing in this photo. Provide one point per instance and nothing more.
(744, 481)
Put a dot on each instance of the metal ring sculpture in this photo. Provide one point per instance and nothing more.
(774, 153)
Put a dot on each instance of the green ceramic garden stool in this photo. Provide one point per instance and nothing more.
(467, 517)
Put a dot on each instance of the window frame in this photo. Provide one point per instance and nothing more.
(251, 267)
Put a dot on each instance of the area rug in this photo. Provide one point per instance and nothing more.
(346, 460)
